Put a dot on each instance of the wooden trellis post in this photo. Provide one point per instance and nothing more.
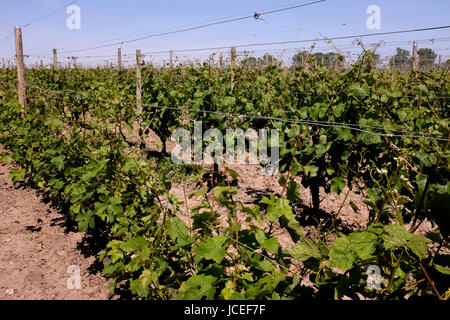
(55, 59)
(415, 58)
(21, 87)
(119, 58)
(233, 56)
(233, 63)
(138, 82)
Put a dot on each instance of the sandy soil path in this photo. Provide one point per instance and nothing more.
(36, 250)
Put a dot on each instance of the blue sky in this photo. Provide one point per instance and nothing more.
(113, 19)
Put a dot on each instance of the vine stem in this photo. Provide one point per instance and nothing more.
(380, 208)
(387, 194)
(237, 246)
(206, 195)
(288, 175)
(394, 201)
(387, 261)
(430, 281)
(188, 211)
(337, 215)
(237, 233)
(418, 214)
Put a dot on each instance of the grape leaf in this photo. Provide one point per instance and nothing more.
(197, 287)
(212, 249)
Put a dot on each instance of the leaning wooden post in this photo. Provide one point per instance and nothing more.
(415, 58)
(119, 58)
(233, 64)
(440, 62)
(136, 126)
(305, 61)
(233, 56)
(336, 65)
(20, 67)
(138, 82)
(55, 59)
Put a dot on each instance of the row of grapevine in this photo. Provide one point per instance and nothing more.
(380, 129)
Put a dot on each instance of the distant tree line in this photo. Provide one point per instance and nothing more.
(401, 59)
(427, 58)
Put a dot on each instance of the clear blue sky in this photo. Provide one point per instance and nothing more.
(112, 19)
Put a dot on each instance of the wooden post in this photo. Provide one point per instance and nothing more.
(305, 61)
(233, 56)
(3, 63)
(440, 62)
(233, 63)
(221, 60)
(266, 59)
(171, 59)
(138, 82)
(55, 59)
(20, 67)
(119, 58)
(415, 58)
(74, 59)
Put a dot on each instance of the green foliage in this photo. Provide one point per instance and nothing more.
(196, 288)
(75, 148)
(213, 249)
(348, 249)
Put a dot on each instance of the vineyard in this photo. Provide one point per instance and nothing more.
(103, 158)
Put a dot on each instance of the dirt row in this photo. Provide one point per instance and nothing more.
(37, 250)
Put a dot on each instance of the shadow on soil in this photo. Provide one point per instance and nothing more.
(92, 243)
(306, 215)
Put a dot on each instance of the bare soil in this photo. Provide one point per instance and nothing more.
(37, 249)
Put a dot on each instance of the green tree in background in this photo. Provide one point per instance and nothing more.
(299, 58)
(370, 57)
(270, 59)
(325, 59)
(426, 57)
(401, 58)
(252, 62)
